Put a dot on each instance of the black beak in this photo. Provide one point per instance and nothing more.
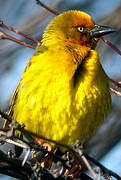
(99, 31)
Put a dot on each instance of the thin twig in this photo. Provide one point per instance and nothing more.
(2, 25)
(6, 36)
(89, 167)
(46, 7)
(116, 92)
(87, 164)
(111, 45)
(118, 84)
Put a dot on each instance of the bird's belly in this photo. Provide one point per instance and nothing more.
(69, 120)
(64, 115)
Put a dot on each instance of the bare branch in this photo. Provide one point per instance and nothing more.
(118, 84)
(2, 25)
(111, 45)
(6, 36)
(46, 7)
(116, 92)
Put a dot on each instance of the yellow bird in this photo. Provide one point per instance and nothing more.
(64, 92)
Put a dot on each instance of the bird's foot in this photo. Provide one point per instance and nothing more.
(47, 161)
(74, 172)
(48, 157)
(46, 145)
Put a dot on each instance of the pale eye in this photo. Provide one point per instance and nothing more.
(80, 29)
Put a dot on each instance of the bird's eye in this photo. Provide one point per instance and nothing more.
(80, 29)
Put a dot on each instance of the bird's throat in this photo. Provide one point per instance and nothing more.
(78, 52)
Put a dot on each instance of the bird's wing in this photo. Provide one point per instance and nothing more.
(39, 50)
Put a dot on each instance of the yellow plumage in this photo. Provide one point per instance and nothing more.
(64, 91)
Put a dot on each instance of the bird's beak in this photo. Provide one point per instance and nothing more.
(99, 31)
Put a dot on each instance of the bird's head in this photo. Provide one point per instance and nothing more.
(75, 31)
(75, 27)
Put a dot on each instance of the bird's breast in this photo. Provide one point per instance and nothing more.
(62, 107)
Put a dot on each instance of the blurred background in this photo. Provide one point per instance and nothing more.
(28, 17)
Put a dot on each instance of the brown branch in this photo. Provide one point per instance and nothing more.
(116, 92)
(46, 7)
(111, 45)
(2, 25)
(6, 36)
(88, 167)
(116, 83)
